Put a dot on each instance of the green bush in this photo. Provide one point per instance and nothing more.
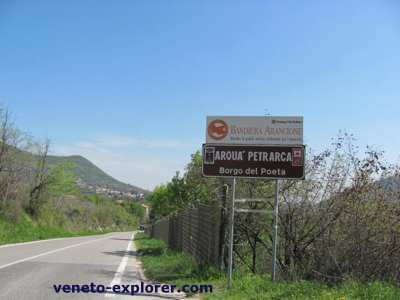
(69, 216)
(170, 265)
(146, 246)
(29, 230)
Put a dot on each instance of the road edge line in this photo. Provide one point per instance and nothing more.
(121, 268)
(49, 252)
(53, 239)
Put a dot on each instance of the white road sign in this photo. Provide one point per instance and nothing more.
(258, 130)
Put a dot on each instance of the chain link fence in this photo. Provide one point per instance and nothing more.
(195, 231)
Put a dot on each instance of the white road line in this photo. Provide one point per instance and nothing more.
(50, 252)
(121, 268)
(48, 240)
(28, 243)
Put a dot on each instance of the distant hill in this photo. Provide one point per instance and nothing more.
(391, 183)
(89, 175)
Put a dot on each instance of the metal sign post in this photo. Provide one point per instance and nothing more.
(231, 231)
(268, 147)
(275, 228)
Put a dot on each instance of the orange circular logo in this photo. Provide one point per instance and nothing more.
(217, 129)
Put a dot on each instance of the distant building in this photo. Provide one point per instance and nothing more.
(146, 212)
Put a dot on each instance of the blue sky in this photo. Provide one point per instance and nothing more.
(128, 84)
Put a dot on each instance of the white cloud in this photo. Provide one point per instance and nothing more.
(130, 160)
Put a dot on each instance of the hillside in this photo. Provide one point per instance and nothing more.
(89, 175)
(391, 183)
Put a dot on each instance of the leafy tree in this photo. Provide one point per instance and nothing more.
(159, 201)
(198, 188)
(135, 208)
(182, 192)
(61, 180)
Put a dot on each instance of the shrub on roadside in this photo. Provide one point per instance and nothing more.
(147, 246)
(177, 268)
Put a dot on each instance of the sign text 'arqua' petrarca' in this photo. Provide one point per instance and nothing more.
(253, 161)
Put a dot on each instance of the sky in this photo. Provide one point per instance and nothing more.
(128, 84)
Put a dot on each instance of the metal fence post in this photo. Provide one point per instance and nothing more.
(231, 231)
(222, 227)
(275, 231)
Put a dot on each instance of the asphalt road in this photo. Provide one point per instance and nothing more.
(29, 270)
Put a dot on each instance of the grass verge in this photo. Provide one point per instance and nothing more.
(165, 265)
(27, 230)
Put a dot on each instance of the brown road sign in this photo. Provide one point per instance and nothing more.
(285, 162)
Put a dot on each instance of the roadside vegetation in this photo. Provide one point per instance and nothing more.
(167, 266)
(39, 201)
(163, 264)
(339, 228)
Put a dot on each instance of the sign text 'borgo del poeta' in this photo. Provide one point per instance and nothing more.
(253, 161)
